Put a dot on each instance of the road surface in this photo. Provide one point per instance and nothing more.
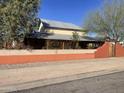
(27, 76)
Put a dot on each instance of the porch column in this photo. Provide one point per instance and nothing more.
(47, 44)
(63, 45)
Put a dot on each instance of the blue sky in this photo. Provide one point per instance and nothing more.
(73, 11)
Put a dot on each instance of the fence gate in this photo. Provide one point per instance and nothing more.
(112, 49)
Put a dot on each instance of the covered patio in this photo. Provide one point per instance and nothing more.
(56, 41)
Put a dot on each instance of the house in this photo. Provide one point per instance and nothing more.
(60, 35)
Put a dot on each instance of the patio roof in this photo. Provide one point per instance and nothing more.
(40, 35)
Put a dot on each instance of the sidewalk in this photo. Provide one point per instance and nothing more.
(12, 76)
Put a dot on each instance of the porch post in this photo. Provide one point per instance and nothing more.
(47, 44)
(63, 45)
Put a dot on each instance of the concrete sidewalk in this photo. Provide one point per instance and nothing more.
(24, 77)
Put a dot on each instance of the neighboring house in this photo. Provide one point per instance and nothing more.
(60, 35)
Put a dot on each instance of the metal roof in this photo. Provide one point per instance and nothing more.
(58, 24)
(40, 35)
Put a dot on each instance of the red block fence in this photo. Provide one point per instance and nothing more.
(106, 50)
(119, 50)
(103, 51)
(24, 56)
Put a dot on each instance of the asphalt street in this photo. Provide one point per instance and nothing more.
(28, 76)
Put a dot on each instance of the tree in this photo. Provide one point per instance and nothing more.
(76, 39)
(109, 20)
(16, 19)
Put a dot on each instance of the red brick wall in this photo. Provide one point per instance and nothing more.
(20, 59)
(103, 51)
(119, 50)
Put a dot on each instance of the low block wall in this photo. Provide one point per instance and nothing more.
(24, 56)
(45, 52)
(28, 56)
(103, 51)
(106, 51)
(119, 50)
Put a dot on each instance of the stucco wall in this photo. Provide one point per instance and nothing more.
(119, 50)
(103, 51)
(106, 51)
(24, 56)
(63, 32)
(44, 52)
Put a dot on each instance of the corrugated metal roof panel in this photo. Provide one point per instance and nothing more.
(58, 24)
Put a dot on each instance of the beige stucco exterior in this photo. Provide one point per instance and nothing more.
(64, 32)
(45, 52)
